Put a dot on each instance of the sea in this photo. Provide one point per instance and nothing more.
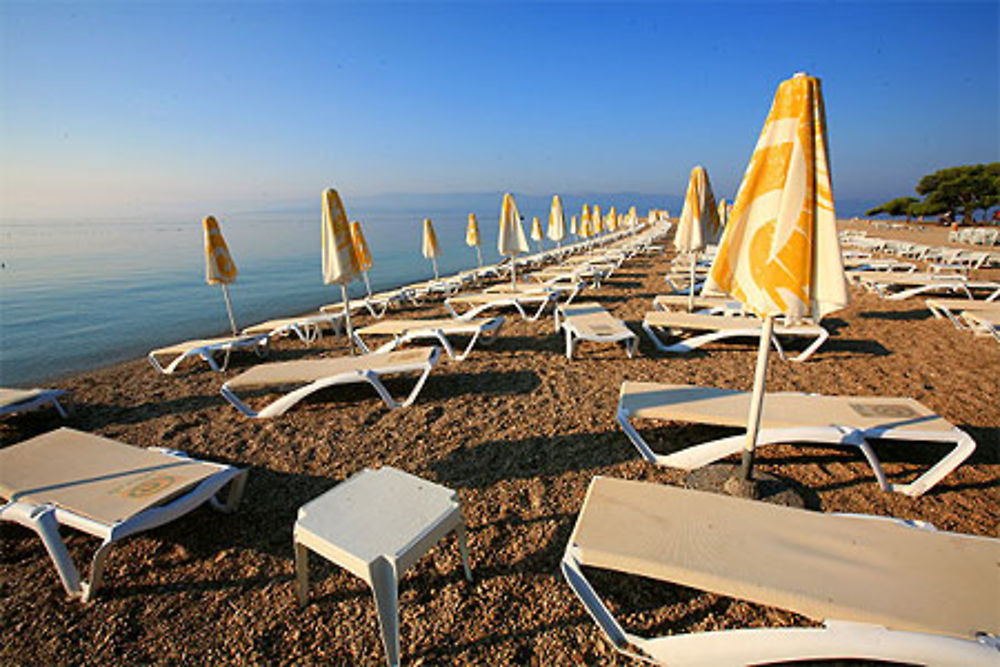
(79, 295)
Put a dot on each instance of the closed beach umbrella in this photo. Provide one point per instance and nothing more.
(511, 241)
(472, 237)
(581, 231)
(574, 228)
(431, 249)
(699, 223)
(340, 262)
(723, 213)
(612, 220)
(595, 221)
(536, 231)
(219, 266)
(779, 253)
(557, 221)
(361, 251)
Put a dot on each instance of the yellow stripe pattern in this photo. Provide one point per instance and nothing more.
(360, 247)
(219, 265)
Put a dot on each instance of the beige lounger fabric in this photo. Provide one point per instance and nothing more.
(99, 478)
(397, 327)
(819, 565)
(187, 346)
(726, 407)
(9, 397)
(680, 302)
(592, 321)
(310, 370)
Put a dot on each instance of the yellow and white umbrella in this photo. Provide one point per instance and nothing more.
(557, 221)
(472, 237)
(582, 230)
(219, 266)
(536, 232)
(340, 262)
(574, 228)
(595, 221)
(430, 248)
(612, 220)
(362, 252)
(511, 241)
(779, 254)
(723, 213)
(699, 222)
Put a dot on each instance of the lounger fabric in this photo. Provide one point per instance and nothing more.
(819, 565)
(309, 370)
(97, 477)
(206, 348)
(404, 330)
(590, 321)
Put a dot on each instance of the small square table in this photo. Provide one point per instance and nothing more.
(376, 525)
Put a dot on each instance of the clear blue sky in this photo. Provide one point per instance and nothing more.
(140, 108)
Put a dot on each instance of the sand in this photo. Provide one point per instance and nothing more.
(518, 431)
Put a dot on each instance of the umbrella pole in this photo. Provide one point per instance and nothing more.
(479, 257)
(347, 316)
(368, 285)
(513, 272)
(691, 284)
(229, 309)
(757, 399)
(434, 260)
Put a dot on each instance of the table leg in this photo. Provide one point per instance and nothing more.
(301, 573)
(382, 577)
(463, 548)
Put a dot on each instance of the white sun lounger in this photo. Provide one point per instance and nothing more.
(207, 348)
(789, 417)
(468, 306)
(105, 488)
(565, 288)
(883, 588)
(13, 401)
(716, 327)
(983, 323)
(715, 305)
(590, 321)
(953, 308)
(309, 328)
(403, 331)
(312, 375)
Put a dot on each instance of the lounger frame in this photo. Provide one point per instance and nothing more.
(698, 456)
(371, 376)
(518, 301)
(575, 335)
(685, 345)
(44, 397)
(259, 342)
(487, 330)
(45, 520)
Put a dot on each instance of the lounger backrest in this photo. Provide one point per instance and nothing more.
(309, 370)
(727, 407)
(100, 478)
(820, 565)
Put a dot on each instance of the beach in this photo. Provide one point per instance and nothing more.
(518, 431)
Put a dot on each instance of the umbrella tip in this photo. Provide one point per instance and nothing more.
(799, 74)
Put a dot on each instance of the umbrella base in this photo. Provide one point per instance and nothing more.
(725, 478)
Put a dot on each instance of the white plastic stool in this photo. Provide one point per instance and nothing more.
(376, 525)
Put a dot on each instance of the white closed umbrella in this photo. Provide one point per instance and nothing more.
(511, 241)
(430, 247)
(340, 261)
(557, 221)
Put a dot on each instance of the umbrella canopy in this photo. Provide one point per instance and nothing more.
(612, 220)
(511, 241)
(723, 213)
(574, 228)
(472, 237)
(361, 250)
(632, 217)
(536, 230)
(430, 248)
(779, 253)
(699, 223)
(557, 221)
(219, 266)
(340, 262)
(581, 231)
(595, 221)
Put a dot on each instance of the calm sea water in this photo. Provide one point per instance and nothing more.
(76, 296)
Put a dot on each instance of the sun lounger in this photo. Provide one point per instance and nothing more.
(105, 488)
(468, 306)
(716, 327)
(403, 331)
(590, 321)
(883, 588)
(953, 308)
(311, 375)
(13, 401)
(789, 417)
(309, 328)
(207, 348)
(983, 323)
(563, 288)
(715, 305)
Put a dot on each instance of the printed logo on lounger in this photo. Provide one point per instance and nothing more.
(885, 410)
(149, 486)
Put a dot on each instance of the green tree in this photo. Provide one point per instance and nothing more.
(899, 206)
(960, 190)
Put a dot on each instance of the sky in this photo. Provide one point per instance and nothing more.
(155, 109)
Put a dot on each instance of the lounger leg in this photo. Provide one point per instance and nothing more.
(815, 345)
(364, 348)
(237, 485)
(463, 548)
(59, 408)
(964, 446)
(468, 348)
(569, 344)
(97, 570)
(43, 522)
(301, 574)
(384, 583)
(441, 338)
